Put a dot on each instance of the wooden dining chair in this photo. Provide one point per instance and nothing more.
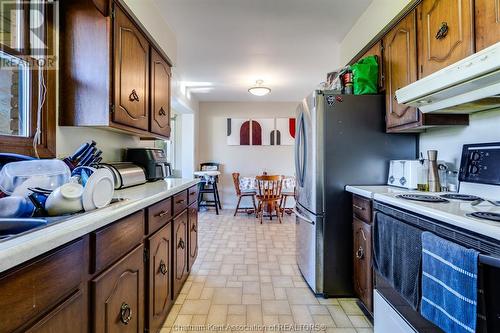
(269, 195)
(242, 194)
(288, 192)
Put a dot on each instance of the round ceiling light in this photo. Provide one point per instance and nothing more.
(259, 89)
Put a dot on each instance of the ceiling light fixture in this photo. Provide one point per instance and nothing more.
(259, 89)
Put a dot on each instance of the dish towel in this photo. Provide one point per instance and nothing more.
(397, 249)
(449, 284)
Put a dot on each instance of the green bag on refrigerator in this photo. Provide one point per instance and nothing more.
(365, 76)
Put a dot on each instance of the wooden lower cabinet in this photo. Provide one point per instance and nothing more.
(362, 254)
(159, 298)
(193, 234)
(118, 295)
(180, 253)
(69, 316)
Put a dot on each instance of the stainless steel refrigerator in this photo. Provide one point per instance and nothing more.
(340, 140)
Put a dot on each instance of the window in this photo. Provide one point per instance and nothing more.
(27, 78)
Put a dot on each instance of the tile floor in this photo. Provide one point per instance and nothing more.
(246, 279)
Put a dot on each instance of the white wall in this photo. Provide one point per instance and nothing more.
(378, 15)
(247, 160)
(484, 127)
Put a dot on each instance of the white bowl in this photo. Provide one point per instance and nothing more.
(65, 199)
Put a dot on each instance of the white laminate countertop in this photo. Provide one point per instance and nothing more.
(453, 212)
(32, 244)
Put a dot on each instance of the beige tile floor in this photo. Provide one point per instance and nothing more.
(246, 279)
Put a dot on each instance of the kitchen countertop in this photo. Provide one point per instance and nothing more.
(22, 248)
(452, 213)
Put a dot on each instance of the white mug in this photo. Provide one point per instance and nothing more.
(65, 199)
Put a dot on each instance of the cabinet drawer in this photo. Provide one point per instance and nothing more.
(192, 194)
(362, 208)
(34, 289)
(114, 241)
(180, 202)
(158, 215)
(118, 296)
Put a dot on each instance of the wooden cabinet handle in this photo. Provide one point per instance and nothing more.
(443, 31)
(162, 112)
(125, 313)
(163, 213)
(181, 244)
(358, 207)
(133, 97)
(163, 267)
(360, 253)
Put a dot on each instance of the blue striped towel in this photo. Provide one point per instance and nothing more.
(449, 284)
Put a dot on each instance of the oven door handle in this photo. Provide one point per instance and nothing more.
(489, 260)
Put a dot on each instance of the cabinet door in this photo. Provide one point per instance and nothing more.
(160, 95)
(400, 64)
(69, 316)
(487, 23)
(363, 284)
(180, 251)
(131, 74)
(118, 296)
(193, 233)
(159, 277)
(446, 33)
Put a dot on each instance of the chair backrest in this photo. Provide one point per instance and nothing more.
(269, 187)
(210, 166)
(236, 181)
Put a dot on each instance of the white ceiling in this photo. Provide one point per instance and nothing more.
(224, 46)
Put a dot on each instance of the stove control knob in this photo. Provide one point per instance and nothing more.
(474, 169)
(476, 156)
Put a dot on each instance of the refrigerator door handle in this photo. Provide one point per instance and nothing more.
(302, 217)
(297, 150)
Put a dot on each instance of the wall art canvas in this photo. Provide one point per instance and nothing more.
(262, 130)
(238, 132)
(284, 135)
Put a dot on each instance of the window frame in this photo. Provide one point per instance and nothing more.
(47, 145)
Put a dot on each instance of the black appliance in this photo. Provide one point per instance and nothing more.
(340, 140)
(152, 160)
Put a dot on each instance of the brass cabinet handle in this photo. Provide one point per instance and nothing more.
(443, 31)
(360, 253)
(163, 267)
(133, 97)
(180, 201)
(193, 228)
(162, 112)
(358, 207)
(181, 244)
(125, 313)
(163, 213)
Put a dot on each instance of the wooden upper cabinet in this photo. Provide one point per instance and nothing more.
(160, 95)
(400, 64)
(487, 23)
(131, 73)
(446, 33)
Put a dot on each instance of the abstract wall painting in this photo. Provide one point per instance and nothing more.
(261, 132)
(238, 132)
(285, 132)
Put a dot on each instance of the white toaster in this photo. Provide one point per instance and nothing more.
(404, 173)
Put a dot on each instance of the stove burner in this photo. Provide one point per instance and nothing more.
(422, 197)
(463, 197)
(486, 216)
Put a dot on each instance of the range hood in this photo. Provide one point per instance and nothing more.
(470, 85)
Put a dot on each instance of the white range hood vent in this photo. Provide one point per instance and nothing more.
(470, 85)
